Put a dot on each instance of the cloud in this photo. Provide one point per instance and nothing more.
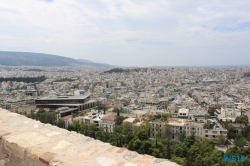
(241, 26)
(159, 43)
(48, 0)
(76, 28)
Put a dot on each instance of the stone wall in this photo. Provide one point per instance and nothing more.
(26, 142)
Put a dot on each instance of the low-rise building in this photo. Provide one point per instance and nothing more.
(67, 120)
(183, 112)
(108, 123)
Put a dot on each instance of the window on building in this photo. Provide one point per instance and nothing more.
(214, 132)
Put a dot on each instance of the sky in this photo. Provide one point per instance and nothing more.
(130, 32)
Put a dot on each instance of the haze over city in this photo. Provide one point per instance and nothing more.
(130, 33)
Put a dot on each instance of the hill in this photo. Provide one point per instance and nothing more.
(38, 59)
(91, 63)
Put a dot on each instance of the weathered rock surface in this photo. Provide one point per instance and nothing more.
(26, 142)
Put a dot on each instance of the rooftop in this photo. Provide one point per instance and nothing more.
(130, 120)
(64, 97)
(110, 117)
(66, 117)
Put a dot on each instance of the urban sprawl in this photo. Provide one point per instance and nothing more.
(142, 109)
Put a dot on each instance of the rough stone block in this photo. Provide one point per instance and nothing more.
(47, 157)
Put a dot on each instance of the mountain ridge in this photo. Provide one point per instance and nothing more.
(10, 58)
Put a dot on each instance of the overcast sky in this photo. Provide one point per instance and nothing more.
(130, 32)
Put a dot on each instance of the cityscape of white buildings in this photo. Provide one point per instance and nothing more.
(193, 96)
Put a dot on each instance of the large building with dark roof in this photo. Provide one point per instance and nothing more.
(54, 102)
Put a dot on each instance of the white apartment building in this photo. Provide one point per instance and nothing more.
(108, 123)
(226, 114)
(215, 132)
(157, 129)
(183, 112)
(178, 126)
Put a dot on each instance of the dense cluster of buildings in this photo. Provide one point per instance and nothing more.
(193, 97)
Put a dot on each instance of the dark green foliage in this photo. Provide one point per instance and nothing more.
(37, 70)
(240, 140)
(189, 141)
(242, 119)
(60, 123)
(145, 147)
(64, 80)
(182, 136)
(119, 120)
(115, 70)
(44, 116)
(230, 132)
(142, 135)
(246, 132)
(179, 160)
(24, 79)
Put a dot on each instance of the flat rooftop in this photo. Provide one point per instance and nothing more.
(74, 105)
(64, 98)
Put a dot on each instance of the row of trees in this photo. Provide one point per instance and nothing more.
(44, 116)
(24, 79)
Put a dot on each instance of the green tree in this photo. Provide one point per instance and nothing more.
(146, 126)
(240, 141)
(119, 120)
(157, 150)
(182, 136)
(242, 119)
(126, 128)
(145, 146)
(166, 131)
(189, 141)
(216, 157)
(246, 132)
(142, 135)
(134, 144)
(179, 160)
(167, 143)
(92, 130)
(193, 152)
(198, 161)
(180, 150)
(221, 140)
(60, 123)
(230, 132)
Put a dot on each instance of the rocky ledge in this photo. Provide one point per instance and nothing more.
(26, 142)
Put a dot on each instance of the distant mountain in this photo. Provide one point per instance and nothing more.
(38, 59)
(94, 63)
(85, 60)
